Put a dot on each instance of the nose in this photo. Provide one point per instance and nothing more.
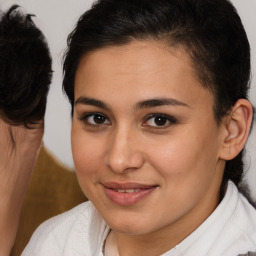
(124, 153)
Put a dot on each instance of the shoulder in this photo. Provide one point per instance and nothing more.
(244, 219)
(63, 222)
(51, 237)
(238, 234)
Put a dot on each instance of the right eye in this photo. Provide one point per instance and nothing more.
(95, 119)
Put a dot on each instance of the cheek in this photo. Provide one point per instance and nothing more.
(187, 167)
(86, 155)
(186, 157)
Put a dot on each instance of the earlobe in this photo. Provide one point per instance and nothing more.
(236, 129)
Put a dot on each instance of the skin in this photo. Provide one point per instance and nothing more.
(181, 157)
(19, 147)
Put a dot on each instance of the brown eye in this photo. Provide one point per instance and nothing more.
(159, 121)
(98, 119)
(95, 119)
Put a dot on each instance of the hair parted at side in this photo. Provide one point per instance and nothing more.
(210, 31)
(25, 69)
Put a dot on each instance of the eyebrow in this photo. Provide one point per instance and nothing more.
(92, 102)
(159, 102)
(140, 105)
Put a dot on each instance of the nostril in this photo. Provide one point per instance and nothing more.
(122, 162)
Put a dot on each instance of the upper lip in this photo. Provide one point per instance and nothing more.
(127, 185)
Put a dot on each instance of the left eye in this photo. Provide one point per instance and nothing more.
(160, 120)
(95, 119)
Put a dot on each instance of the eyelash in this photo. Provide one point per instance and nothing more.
(166, 118)
(85, 118)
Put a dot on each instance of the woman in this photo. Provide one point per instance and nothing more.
(160, 114)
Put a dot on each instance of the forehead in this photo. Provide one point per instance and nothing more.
(137, 58)
(147, 69)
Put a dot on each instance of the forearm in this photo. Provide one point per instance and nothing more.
(9, 220)
(13, 186)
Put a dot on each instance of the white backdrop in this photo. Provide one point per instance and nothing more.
(56, 18)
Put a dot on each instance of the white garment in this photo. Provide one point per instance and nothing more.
(229, 231)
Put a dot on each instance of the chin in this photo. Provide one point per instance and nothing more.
(127, 224)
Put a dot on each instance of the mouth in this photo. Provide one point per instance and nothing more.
(127, 194)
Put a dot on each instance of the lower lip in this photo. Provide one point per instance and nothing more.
(127, 199)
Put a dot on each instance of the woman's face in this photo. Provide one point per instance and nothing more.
(145, 142)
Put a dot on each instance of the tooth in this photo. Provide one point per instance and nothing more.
(129, 190)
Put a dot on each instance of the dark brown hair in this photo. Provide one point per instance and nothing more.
(25, 69)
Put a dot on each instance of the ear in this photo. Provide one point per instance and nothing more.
(236, 127)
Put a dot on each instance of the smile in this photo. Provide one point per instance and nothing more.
(127, 194)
